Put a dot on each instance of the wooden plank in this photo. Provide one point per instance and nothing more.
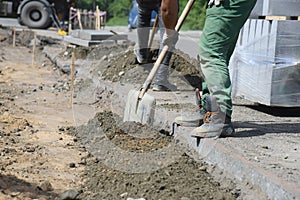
(278, 18)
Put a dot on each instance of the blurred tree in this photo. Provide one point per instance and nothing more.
(91, 4)
(119, 8)
(117, 11)
(114, 8)
(196, 18)
(85, 4)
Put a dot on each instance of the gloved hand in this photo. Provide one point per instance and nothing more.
(215, 2)
(170, 39)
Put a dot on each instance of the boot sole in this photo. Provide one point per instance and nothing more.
(195, 123)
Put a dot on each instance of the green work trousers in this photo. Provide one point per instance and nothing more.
(217, 43)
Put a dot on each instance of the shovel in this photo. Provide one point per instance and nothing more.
(153, 32)
(140, 106)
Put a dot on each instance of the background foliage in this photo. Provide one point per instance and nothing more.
(117, 11)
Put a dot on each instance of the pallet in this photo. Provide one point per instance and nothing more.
(280, 17)
(276, 8)
(264, 68)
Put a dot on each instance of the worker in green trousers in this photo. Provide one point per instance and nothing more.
(224, 19)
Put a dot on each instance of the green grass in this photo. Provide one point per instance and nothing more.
(117, 22)
(124, 22)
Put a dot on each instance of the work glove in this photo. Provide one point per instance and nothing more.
(170, 39)
(214, 2)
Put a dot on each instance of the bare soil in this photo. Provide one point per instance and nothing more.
(35, 157)
(44, 153)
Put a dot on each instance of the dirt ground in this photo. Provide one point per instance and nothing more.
(37, 160)
(46, 153)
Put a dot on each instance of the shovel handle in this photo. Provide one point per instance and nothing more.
(164, 51)
(153, 31)
(184, 14)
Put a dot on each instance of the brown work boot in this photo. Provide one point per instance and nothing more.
(216, 123)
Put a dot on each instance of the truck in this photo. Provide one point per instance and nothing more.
(39, 14)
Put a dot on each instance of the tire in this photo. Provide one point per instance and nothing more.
(35, 15)
(20, 21)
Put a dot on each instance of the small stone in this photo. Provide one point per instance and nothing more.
(69, 195)
(29, 149)
(203, 168)
(83, 161)
(124, 194)
(46, 186)
(15, 194)
(66, 69)
(163, 187)
(236, 192)
(72, 165)
(184, 198)
(121, 73)
(129, 198)
(104, 58)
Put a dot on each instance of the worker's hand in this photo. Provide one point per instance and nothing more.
(214, 2)
(170, 38)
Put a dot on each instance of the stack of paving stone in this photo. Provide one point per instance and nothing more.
(265, 67)
(89, 38)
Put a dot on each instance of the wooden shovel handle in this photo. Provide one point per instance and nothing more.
(184, 14)
(153, 31)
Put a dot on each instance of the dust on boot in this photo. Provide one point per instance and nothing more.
(215, 122)
(194, 119)
(161, 82)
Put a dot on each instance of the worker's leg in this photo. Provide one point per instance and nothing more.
(220, 33)
(217, 43)
(143, 27)
(161, 82)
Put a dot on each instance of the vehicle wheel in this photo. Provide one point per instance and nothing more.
(35, 15)
(20, 21)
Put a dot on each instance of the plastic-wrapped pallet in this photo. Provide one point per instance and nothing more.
(276, 8)
(265, 67)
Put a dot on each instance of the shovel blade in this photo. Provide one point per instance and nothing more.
(139, 110)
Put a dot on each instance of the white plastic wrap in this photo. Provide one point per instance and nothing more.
(265, 67)
(276, 8)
